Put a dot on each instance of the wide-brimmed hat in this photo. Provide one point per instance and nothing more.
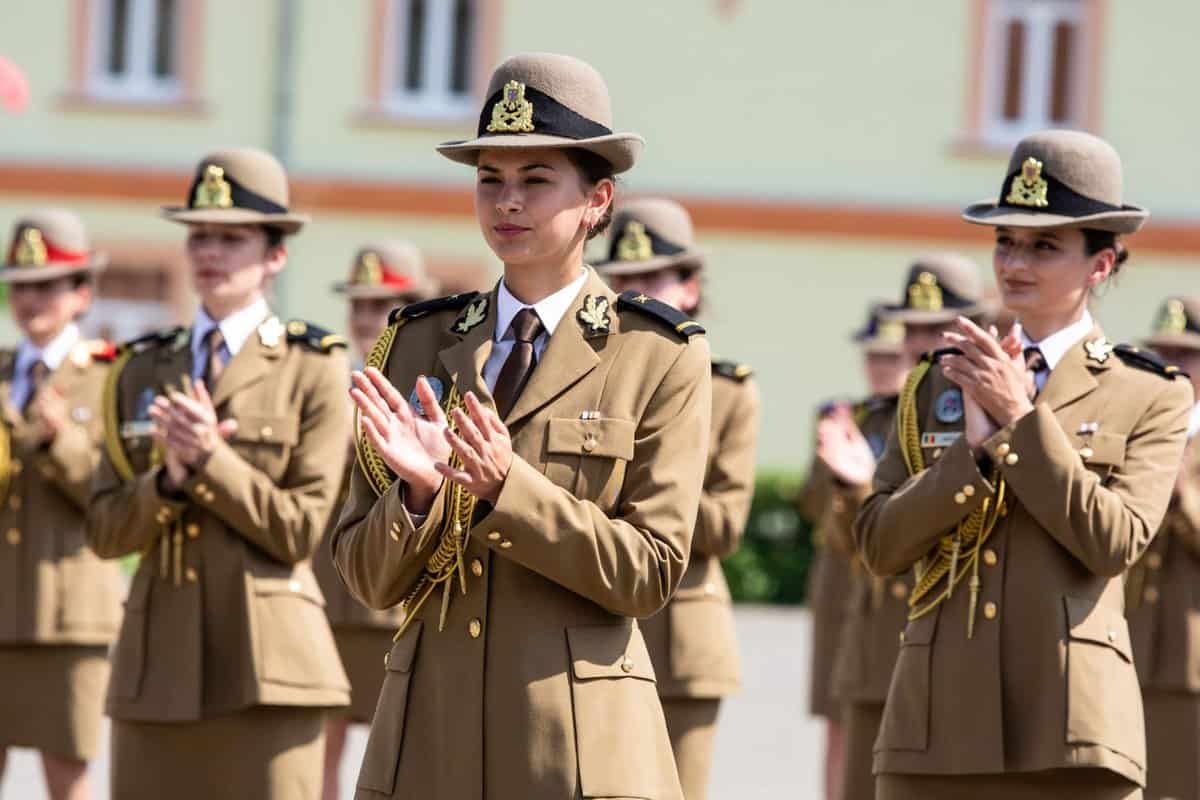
(939, 287)
(880, 335)
(47, 244)
(242, 186)
(387, 269)
(650, 234)
(1177, 324)
(548, 100)
(1061, 179)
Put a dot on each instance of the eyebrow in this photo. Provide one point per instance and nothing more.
(526, 168)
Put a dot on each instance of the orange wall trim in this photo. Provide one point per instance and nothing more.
(727, 215)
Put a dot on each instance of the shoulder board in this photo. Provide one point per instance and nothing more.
(455, 302)
(152, 339)
(934, 356)
(683, 326)
(314, 336)
(732, 370)
(1148, 361)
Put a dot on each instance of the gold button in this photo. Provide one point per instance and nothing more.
(14, 502)
(193, 530)
(387, 657)
(191, 575)
(494, 536)
(1112, 636)
(936, 454)
(294, 586)
(1086, 452)
(710, 589)
(476, 567)
(989, 557)
(990, 610)
(1011, 459)
(899, 590)
(1002, 449)
(960, 498)
(474, 627)
(13, 536)
(969, 490)
(589, 444)
(266, 431)
(201, 488)
(627, 665)
(17, 466)
(1150, 595)
(209, 496)
(1153, 560)
(505, 544)
(901, 637)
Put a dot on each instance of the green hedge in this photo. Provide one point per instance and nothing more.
(773, 562)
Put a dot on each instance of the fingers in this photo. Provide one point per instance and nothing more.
(970, 351)
(458, 476)
(203, 398)
(430, 404)
(193, 408)
(470, 432)
(392, 398)
(985, 342)
(471, 459)
(487, 420)
(226, 428)
(370, 408)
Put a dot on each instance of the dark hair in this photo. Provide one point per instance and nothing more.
(593, 168)
(274, 236)
(1094, 241)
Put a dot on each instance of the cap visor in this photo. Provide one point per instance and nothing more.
(52, 271)
(288, 223)
(1128, 220)
(688, 258)
(619, 149)
(1185, 341)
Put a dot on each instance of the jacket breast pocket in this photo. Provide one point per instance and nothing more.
(382, 757)
(620, 731)
(588, 457)
(129, 655)
(905, 723)
(295, 644)
(266, 441)
(1104, 703)
(1103, 453)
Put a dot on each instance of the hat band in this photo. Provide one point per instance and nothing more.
(550, 118)
(1060, 199)
(47, 255)
(950, 299)
(239, 197)
(640, 242)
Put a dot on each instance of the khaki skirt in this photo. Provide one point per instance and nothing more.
(1172, 744)
(264, 752)
(1082, 783)
(362, 651)
(52, 698)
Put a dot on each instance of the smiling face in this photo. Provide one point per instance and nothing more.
(44, 308)
(231, 265)
(534, 206)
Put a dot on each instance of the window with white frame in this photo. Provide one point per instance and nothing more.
(428, 65)
(134, 52)
(1033, 68)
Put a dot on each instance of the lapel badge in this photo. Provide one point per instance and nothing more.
(270, 332)
(512, 113)
(213, 191)
(594, 314)
(925, 294)
(1029, 187)
(940, 438)
(1098, 350)
(1173, 319)
(634, 244)
(588, 416)
(439, 391)
(949, 406)
(30, 250)
(475, 314)
(1088, 428)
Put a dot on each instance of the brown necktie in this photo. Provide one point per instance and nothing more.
(526, 327)
(214, 365)
(37, 376)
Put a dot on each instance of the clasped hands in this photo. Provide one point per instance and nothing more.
(417, 446)
(997, 386)
(187, 430)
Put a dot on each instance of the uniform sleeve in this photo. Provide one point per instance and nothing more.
(837, 523)
(1105, 525)
(729, 484)
(813, 496)
(286, 520)
(70, 463)
(629, 564)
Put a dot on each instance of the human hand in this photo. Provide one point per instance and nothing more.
(991, 372)
(187, 426)
(483, 445)
(842, 447)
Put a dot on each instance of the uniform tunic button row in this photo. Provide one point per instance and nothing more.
(969, 490)
(477, 568)
(1112, 636)
(1002, 449)
(990, 558)
(505, 544)
(627, 665)
(589, 444)
(13, 536)
(960, 498)
(294, 586)
(990, 610)
(1153, 560)
(1086, 453)
(193, 530)
(936, 454)
(266, 432)
(17, 466)
(191, 575)
(14, 502)
(474, 628)
(494, 536)
(1150, 595)
(1011, 459)
(899, 590)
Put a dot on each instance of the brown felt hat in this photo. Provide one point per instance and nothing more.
(1061, 179)
(47, 244)
(243, 186)
(548, 100)
(880, 335)
(1177, 324)
(391, 269)
(650, 234)
(939, 287)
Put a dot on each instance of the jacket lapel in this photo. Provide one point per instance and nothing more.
(1074, 377)
(464, 359)
(252, 363)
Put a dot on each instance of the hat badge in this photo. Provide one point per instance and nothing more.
(213, 191)
(369, 270)
(925, 294)
(1029, 187)
(635, 244)
(1173, 319)
(891, 331)
(30, 250)
(512, 113)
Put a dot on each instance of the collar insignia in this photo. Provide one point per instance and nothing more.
(925, 294)
(368, 271)
(512, 112)
(475, 314)
(1029, 188)
(213, 191)
(270, 332)
(594, 314)
(1098, 350)
(635, 244)
(1172, 319)
(31, 249)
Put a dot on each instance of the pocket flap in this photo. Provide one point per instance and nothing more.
(400, 657)
(1089, 622)
(1106, 448)
(612, 438)
(268, 429)
(299, 584)
(919, 632)
(609, 651)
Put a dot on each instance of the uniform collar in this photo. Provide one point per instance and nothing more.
(1056, 345)
(1194, 421)
(550, 309)
(52, 355)
(236, 328)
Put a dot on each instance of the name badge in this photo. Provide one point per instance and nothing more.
(943, 439)
(136, 428)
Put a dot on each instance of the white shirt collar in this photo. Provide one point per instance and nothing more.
(1194, 421)
(236, 328)
(1056, 345)
(550, 309)
(52, 354)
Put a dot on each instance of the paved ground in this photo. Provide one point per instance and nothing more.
(767, 746)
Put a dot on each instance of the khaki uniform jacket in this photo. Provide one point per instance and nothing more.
(1048, 679)
(540, 685)
(53, 589)
(1163, 596)
(692, 641)
(877, 610)
(224, 611)
(828, 586)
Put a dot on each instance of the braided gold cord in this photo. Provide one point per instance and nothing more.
(112, 418)
(374, 469)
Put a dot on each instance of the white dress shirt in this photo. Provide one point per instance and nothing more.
(1194, 421)
(28, 354)
(550, 311)
(1056, 345)
(236, 329)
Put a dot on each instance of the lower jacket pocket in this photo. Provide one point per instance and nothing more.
(89, 596)
(702, 639)
(378, 773)
(296, 646)
(905, 723)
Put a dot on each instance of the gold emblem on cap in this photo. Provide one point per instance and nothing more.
(634, 244)
(512, 112)
(1029, 187)
(31, 249)
(925, 294)
(213, 191)
(1173, 319)
(891, 331)
(368, 271)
